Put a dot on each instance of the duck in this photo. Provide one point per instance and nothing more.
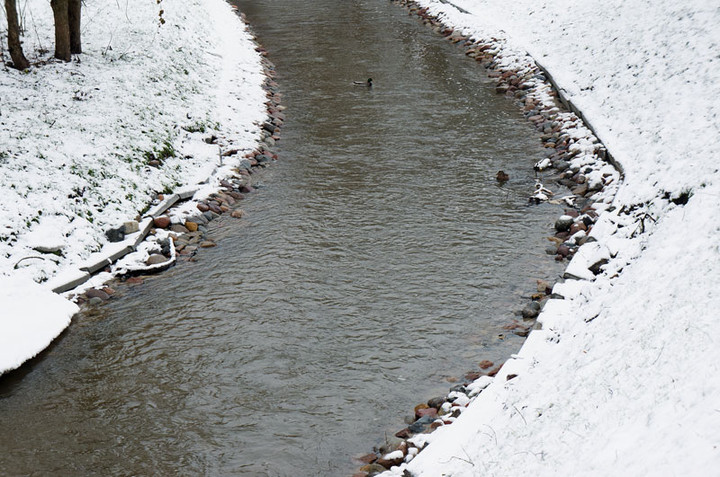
(541, 194)
(502, 176)
(367, 83)
(542, 164)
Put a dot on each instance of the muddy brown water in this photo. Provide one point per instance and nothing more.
(379, 258)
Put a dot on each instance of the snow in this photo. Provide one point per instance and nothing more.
(32, 317)
(622, 379)
(76, 139)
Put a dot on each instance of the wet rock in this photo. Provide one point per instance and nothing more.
(95, 293)
(427, 412)
(420, 407)
(436, 402)
(161, 222)
(373, 469)
(181, 229)
(472, 375)
(134, 281)
(202, 207)
(237, 213)
(485, 364)
(155, 259)
(563, 250)
(207, 244)
(391, 459)
(403, 433)
(581, 190)
(563, 223)
(367, 458)
(191, 226)
(95, 301)
(495, 370)
(420, 425)
(544, 287)
(532, 310)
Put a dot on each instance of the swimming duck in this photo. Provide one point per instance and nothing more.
(367, 83)
(502, 176)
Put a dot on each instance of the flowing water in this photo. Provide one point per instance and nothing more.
(379, 258)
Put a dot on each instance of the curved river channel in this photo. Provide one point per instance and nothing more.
(379, 259)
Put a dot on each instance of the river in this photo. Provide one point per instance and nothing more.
(377, 263)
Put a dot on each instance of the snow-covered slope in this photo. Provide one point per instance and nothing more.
(85, 146)
(624, 377)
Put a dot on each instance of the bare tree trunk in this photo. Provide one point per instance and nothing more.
(62, 29)
(14, 45)
(74, 22)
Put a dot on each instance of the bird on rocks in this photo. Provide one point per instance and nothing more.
(541, 194)
(542, 164)
(367, 83)
(502, 176)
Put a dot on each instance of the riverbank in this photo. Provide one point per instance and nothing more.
(623, 371)
(96, 145)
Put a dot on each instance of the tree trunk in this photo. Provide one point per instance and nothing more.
(74, 22)
(62, 29)
(14, 45)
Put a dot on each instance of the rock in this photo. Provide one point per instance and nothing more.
(202, 207)
(207, 244)
(237, 213)
(116, 235)
(531, 311)
(162, 222)
(403, 433)
(426, 412)
(181, 229)
(191, 226)
(436, 402)
(485, 364)
(563, 223)
(391, 459)
(494, 371)
(131, 227)
(420, 425)
(95, 301)
(95, 293)
(544, 287)
(582, 189)
(373, 469)
(134, 281)
(563, 250)
(367, 458)
(156, 258)
(246, 189)
(418, 408)
(108, 290)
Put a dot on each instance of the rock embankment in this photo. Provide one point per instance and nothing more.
(576, 163)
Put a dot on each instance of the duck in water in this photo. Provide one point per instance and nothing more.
(367, 83)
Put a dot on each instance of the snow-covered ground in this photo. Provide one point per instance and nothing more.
(87, 145)
(624, 377)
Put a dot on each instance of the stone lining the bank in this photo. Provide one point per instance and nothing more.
(576, 160)
(175, 225)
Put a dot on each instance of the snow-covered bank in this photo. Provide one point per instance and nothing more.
(623, 377)
(87, 145)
